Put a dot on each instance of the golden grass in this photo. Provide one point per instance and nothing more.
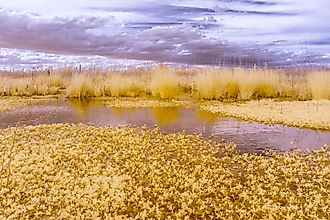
(294, 87)
(164, 83)
(319, 82)
(81, 87)
(123, 86)
(138, 102)
(308, 114)
(256, 83)
(208, 84)
(28, 85)
(84, 172)
(238, 83)
(167, 82)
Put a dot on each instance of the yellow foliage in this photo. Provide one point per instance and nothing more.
(319, 82)
(168, 82)
(313, 114)
(65, 171)
(81, 87)
(256, 83)
(209, 84)
(30, 85)
(118, 85)
(164, 83)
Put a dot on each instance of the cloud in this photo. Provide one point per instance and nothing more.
(32, 31)
(222, 31)
(11, 59)
(105, 36)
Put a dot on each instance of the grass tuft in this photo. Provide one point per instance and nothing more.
(119, 85)
(164, 83)
(81, 87)
(256, 83)
(209, 84)
(319, 82)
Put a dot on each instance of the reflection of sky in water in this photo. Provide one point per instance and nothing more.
(186, 31)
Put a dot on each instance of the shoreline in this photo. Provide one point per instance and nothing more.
(302, 114)
(8, 103)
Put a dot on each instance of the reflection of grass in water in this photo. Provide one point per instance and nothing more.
(81, 106)
(120, 111)
(206, 116)
(165, 115)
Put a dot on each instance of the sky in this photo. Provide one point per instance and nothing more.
(47, 33)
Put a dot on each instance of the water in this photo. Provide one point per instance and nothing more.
(248, 136)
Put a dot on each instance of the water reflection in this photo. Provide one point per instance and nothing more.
(248, 136)
(206, 116)
(165, 116)
(81, 107)
(118, 111)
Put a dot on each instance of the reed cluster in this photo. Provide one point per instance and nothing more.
(168, 82)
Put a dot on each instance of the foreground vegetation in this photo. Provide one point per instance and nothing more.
(166, 82)
(74, 171)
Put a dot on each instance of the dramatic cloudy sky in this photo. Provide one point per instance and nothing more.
(126, 32)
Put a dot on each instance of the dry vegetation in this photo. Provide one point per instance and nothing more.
(9, 103)
(137, 102)
(65, 171)
(26, 84)
(308, 114)
(166, 82)
(84, 172)
(320, 84)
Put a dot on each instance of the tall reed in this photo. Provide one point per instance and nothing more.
(164, 83)
(319, 82)
(167, 82)
(81, 87)
(254, 83)
(209, 84)
(119, 85)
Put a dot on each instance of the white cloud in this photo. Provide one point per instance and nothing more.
(11, 59)
(106, 37)
(172, 30)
